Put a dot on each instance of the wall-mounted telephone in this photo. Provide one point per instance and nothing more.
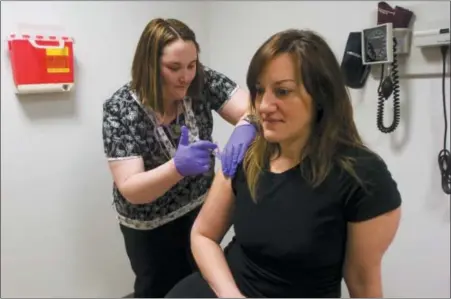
(380, 46)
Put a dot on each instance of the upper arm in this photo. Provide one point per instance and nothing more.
(368, 241)
(373, 217)
(227, 98)
(214, 219)
(120, 148)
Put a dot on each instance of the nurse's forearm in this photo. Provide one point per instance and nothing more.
(236, 107)
(146, 187)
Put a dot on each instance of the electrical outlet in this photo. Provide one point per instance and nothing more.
(377, 44)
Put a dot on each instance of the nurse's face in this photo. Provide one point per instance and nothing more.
(178, 69)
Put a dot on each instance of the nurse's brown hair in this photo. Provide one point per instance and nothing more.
(146, 79)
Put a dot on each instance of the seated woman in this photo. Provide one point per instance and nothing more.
(311, 204)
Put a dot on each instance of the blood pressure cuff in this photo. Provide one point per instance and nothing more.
(354, 71)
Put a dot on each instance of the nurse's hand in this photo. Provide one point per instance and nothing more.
(235, 149)
(195, 158)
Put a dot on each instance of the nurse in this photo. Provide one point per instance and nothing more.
(157, 136)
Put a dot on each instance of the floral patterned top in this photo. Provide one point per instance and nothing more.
(128, 132)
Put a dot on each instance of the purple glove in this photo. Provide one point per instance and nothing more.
(193, 159)
(236, 148)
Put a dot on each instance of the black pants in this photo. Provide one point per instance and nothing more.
(193, 286)
(160, 257)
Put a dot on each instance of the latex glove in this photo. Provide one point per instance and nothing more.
(235, 149)
(195, 158)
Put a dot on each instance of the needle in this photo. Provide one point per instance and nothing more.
(216, 152)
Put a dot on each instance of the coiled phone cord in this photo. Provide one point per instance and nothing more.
(444, 157)
(384, 93)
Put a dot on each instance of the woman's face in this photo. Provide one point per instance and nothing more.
(284, 106)
(178, 69)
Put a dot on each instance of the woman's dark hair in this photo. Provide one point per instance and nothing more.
(333, 127)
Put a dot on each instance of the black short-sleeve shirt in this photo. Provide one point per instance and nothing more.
(291, 241)
(128, 132)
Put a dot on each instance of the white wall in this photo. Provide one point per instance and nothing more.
(59, 234)
(67, 244)
(418, 264)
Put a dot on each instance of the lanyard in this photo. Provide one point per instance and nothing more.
(162, 137)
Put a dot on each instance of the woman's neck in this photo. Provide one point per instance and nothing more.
(290, 155)
(291, 149)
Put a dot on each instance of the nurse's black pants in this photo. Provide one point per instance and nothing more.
(160, 257)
